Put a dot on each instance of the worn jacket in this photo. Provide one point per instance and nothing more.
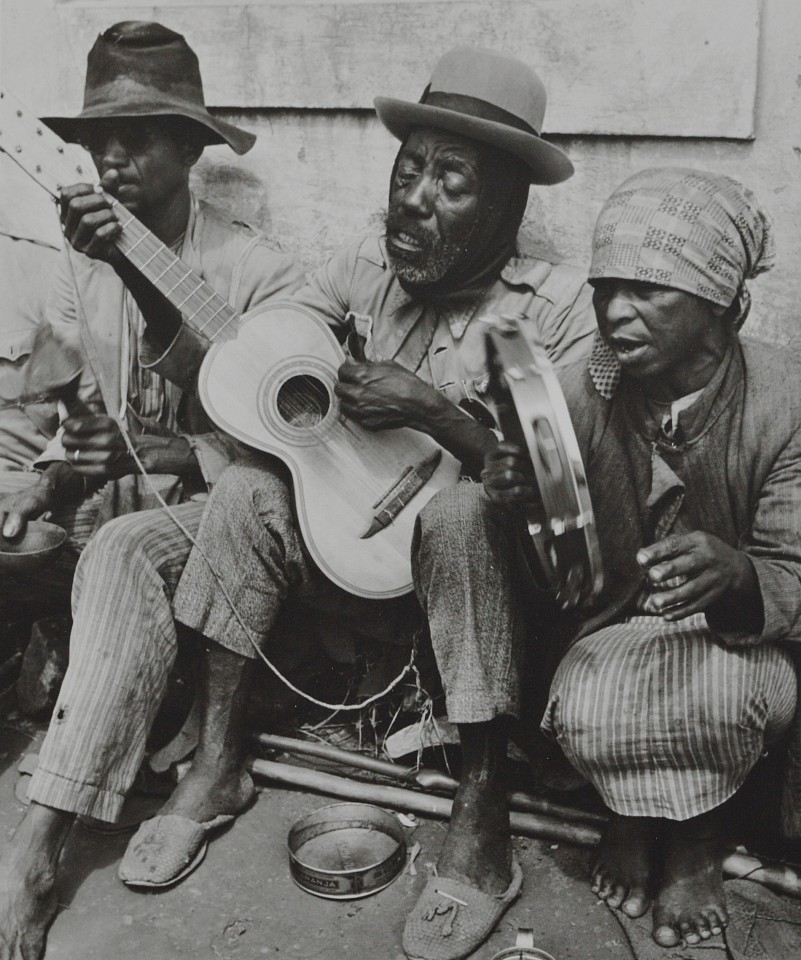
(733, 469)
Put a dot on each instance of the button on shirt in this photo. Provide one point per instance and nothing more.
(553, 299)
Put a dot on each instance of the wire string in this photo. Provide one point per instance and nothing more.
(104, 389)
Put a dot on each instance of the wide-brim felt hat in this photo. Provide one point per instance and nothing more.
(489, 97)
(143, 69)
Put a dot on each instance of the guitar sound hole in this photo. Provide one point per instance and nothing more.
(303, 401)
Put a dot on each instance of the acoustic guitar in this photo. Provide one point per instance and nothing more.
(268, 381)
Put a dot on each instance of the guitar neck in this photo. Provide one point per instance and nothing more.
(204, 310)
(53, 163)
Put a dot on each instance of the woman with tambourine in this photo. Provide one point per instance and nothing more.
(678, 675)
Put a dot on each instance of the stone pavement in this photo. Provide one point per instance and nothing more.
(241, 903)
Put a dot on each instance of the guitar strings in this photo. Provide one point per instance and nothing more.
(149, 252)
(336, 707)
(351, 464)
(154, 252)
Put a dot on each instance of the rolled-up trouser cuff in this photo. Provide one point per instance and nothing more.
(52, 790)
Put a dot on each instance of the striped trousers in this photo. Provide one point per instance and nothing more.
(124, 643)
(664, 719)
(122, 648)
(50, 589)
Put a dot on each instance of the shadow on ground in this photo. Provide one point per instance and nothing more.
(241, 902)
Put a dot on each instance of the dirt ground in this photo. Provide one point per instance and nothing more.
(241, 902)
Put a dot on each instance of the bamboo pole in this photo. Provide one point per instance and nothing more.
(777, 876)
(526, 824)
(424, 778)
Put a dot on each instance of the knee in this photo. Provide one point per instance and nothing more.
(114, 554)
(235, 483)
(452, 511)
(117, 542)
(247, 490)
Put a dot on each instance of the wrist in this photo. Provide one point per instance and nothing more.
(59, 483)
(434, 415)
(746, 584)
(173, 455)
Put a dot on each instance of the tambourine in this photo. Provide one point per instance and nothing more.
(562, 545)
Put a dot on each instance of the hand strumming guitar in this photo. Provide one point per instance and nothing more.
(383, 395)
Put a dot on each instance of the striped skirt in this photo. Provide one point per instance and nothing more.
(664, 719)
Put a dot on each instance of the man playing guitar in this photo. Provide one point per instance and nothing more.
(458, 192)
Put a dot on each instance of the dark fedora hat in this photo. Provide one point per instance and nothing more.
(489, 97)
(142, 69)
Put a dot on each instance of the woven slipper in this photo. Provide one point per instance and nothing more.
(165, 849)
(452, 919)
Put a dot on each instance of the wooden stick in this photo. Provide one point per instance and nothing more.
(9, 665)
(776, 876)
(525, 824)
(424, 778)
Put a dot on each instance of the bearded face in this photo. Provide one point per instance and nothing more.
(418, 255)
(432, 206)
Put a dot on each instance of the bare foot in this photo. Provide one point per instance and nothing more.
(27, 906)
(478, 846)
(690, 905)
(623, 868)
(207, 792)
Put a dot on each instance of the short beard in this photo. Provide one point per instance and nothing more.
(431, 262)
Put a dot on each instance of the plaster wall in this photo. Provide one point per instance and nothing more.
(318, 176)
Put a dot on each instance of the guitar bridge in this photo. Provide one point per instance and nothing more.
(401, 492)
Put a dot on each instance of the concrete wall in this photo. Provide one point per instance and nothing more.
(713, 84)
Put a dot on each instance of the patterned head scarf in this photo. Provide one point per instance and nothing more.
(699, 232)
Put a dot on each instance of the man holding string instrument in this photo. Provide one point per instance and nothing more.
(469, 152)
(145, 126)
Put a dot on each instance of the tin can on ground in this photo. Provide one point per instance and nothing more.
(523, 949)
(346, 850)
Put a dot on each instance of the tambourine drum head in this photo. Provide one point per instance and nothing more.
(532, 414)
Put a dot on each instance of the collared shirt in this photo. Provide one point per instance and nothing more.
(445, 344)
(358, 285)
(25, 269)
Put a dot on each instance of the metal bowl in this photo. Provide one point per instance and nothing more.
(34, 549)
(346, 850)
(523, 949)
